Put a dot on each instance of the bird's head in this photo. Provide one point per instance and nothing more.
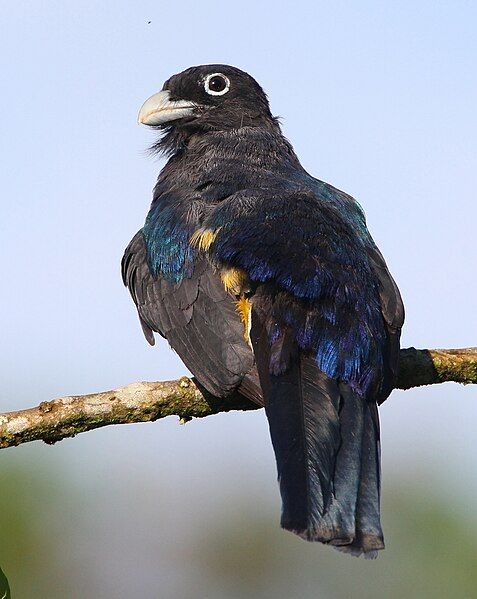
(209, 97)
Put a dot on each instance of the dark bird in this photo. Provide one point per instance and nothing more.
(267, 282)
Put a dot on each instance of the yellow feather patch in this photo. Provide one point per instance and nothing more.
(244, 308)
(204, 238)
(234, 279)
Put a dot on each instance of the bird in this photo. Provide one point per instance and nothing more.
(267, 282)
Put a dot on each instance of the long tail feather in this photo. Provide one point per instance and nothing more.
(326, 442)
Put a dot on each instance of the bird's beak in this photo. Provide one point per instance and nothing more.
(160, 109)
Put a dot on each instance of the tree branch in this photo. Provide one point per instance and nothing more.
(54, 420)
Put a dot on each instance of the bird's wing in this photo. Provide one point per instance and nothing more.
(392, 308)
(198, 318)
(315, 255)
(320, 340)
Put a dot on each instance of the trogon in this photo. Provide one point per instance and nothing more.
(267, 282)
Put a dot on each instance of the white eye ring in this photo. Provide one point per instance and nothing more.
(211, 91)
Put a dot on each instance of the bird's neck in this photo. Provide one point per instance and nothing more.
(234, 158)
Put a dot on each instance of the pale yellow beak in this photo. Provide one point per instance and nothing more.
(159, 109)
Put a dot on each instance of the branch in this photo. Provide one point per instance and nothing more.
(54, 420)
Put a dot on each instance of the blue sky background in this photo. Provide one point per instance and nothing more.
(377, 98)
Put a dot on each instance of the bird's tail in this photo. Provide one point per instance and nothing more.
(326, 442)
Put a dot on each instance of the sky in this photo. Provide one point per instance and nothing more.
(377, 98)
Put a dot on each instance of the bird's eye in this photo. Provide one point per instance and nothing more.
(216, 84)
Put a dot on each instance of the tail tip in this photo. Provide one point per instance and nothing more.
(362, 544)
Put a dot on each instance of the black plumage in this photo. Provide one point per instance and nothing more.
(267, 281)
(198, 318)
